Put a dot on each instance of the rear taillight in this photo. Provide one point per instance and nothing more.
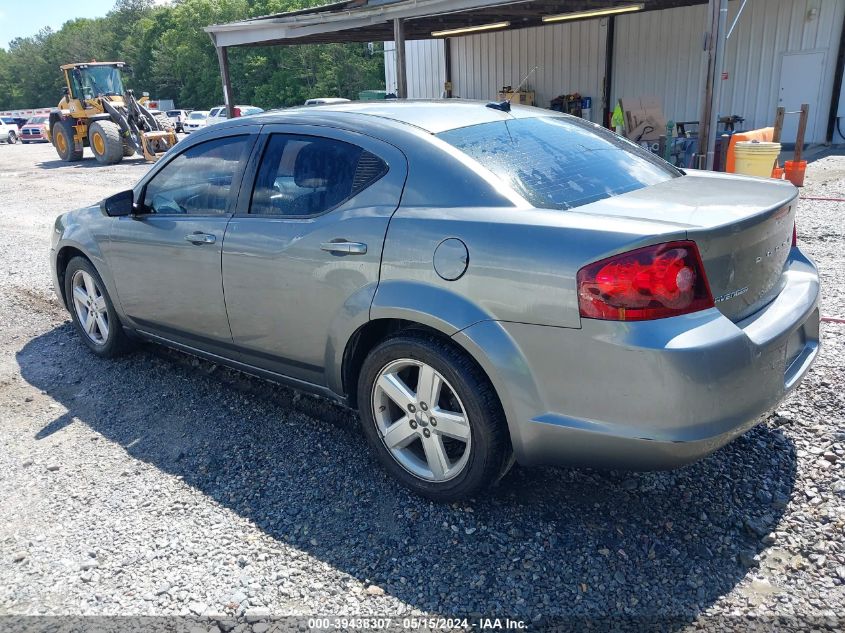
(236, 112)
(654, 282)
(794, 234)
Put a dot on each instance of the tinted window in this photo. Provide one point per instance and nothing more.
(173, 113)
(199, 180)
(559, 163)
(308, 175)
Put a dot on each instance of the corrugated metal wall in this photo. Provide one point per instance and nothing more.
(426, 68)
(657, 53)
(674, 71)
(569, 58)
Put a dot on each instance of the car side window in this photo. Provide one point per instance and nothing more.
(309, 175)
(199, 180)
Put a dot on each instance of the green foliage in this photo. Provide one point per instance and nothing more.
(172, 57)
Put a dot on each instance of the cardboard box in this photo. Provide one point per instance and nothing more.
(523, 97)
(644, 120)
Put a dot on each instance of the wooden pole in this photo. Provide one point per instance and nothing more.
(223, 60)
(399, 42)
(778, 125)
(715, 47)
(447, 59)
(802, 130)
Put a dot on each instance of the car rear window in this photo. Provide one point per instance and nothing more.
(560, 162)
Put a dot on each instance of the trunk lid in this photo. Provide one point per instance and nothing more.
(742, 226)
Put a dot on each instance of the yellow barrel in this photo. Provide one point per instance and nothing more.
(755, 158)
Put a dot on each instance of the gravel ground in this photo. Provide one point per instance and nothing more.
(161, 485)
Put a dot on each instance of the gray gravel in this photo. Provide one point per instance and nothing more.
(162, 485)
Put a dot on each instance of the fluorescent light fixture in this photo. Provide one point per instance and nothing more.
(595, 13)
(471, 29)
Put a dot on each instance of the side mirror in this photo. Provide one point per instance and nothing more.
(119, 205)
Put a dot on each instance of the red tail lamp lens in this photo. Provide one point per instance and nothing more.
(236, 112)
(654, 282)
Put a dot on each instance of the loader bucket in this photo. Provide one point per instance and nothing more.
(155, 144)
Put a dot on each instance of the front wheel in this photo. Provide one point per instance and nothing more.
(92, 310)
(432, 417)
(105, 141)
(13, 138)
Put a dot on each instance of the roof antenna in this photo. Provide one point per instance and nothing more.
(505, 106)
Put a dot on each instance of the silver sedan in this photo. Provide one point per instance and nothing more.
(485, 285)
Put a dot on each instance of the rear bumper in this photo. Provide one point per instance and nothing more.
(659, 394)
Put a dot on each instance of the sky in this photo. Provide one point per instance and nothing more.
(20, 18)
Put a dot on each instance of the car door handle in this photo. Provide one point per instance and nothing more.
(200, 238)
(347, 248)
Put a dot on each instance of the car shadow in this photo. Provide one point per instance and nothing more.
(563, 543)
(86, 163)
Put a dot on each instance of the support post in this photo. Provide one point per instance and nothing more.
(399, 42)
(447, 58)
(223, 60)
(607, 88)
(708, 125)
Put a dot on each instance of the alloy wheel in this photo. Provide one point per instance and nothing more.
(421, 420)
(90, 306)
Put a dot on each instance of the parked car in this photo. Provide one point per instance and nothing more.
(219, 114)
(325, 101)
(195, 121)
(480, 284)
(35, 129)
(9, 132)
(178, 119)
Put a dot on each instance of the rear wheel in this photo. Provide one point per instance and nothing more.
(104, 139)
(128, 150)
(13, 138)
(432, 417)
(63, 142)
(92, 310)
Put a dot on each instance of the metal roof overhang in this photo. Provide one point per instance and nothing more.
(373, 20)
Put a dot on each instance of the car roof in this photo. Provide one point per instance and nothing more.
(433, 116)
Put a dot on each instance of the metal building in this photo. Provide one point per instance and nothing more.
(780, 52)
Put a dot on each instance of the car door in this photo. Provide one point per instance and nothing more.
(306, 242)
(166, 258)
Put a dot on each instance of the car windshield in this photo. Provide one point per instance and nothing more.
(173, 113)
(100, 80)
(198, 115)
(37, 119)
(560, 162)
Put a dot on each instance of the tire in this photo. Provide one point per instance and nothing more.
(63, 142)
(127, 150)
(114, 341)
(13, 138)
(164, 122)
(418, 439)
(105, 141)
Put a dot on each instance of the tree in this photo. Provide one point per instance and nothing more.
(173, 57)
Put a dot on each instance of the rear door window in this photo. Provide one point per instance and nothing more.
(560, 162)
(309, 175)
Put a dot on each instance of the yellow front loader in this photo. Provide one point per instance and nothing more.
(97, 112)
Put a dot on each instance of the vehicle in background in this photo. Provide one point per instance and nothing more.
(178, 118)
(195, 121)
(9, 132)
(98, 112)
(325, 101)
(219, 113)
(19, 121)
(35, 129)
